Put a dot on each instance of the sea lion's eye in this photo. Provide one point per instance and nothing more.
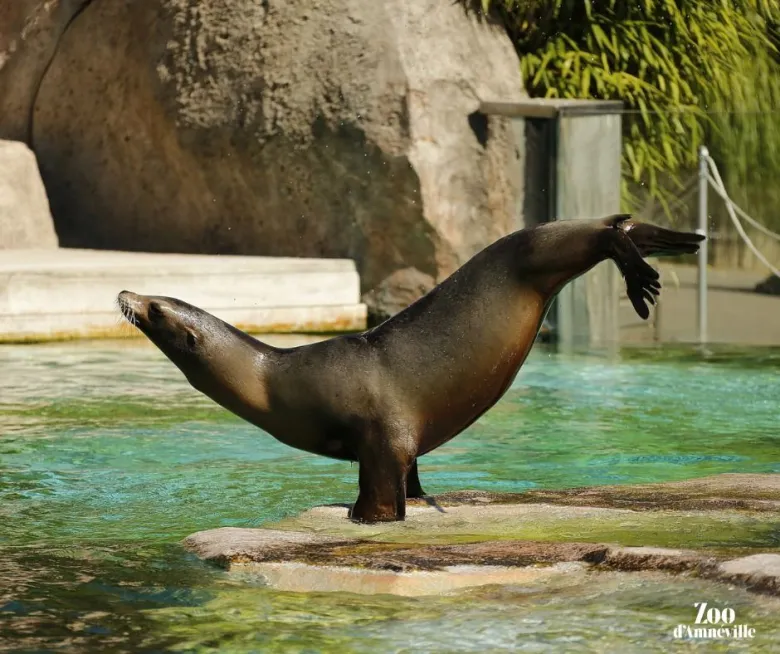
(154, 310)
(191, 340)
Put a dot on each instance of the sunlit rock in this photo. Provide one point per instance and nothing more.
(338, 128)
(465, 539)
(29, 33)
(25, 221)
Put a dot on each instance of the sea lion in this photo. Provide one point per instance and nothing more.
(395, 392)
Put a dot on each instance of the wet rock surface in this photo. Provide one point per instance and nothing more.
(726, 491)
(760, 572)
(464, 539)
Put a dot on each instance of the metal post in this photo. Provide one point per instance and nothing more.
(657, 319)
(702, 229)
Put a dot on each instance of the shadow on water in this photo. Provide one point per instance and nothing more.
(93, 597)
(108, 459)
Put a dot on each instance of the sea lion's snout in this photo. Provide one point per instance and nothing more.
(132, 306)
(170, 324)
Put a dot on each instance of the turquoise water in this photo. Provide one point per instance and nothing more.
(108, 459)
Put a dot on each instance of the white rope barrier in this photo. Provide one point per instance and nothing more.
(720, 189)
(717, 183)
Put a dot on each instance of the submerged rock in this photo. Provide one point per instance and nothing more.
(759, 572)
(447, 540)
(301, 577)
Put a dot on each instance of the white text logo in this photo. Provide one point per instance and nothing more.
(714, 622)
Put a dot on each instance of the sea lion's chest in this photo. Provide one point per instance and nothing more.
(471, 378)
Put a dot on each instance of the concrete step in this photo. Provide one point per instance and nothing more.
(69, 293)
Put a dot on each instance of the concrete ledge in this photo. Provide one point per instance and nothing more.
(61, 294)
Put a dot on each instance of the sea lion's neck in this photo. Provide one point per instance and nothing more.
(236, 377)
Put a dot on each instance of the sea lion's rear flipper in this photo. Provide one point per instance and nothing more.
(641, 278)
(413, 487)
(631, 241)
(654, 241)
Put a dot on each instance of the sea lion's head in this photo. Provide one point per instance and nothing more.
(172, 325)
(218, 359)
(201, 345)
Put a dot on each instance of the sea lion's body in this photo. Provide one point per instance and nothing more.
(435, 367)
(395, 392)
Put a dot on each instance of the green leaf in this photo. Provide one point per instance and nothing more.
(694, 70)
(585, 84)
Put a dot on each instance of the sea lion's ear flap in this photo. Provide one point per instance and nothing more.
(192, 339)
(616, 220)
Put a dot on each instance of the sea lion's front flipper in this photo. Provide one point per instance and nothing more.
(653, 241)
(382, 475)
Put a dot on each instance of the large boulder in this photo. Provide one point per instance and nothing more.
(25, 221)
(29, 33)
(335, 128)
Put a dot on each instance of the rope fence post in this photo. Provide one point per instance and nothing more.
(702, 229)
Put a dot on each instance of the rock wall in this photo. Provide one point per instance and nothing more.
(329, 128)
(25, 221)
(29, 33)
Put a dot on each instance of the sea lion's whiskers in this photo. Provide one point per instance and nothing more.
(127, 313)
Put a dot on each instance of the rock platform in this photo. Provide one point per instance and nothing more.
(724, 528)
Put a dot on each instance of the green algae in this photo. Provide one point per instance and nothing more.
(464, 524)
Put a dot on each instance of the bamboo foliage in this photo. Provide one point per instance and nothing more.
(687, 70)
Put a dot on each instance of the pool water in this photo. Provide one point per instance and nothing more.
(108, 459)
